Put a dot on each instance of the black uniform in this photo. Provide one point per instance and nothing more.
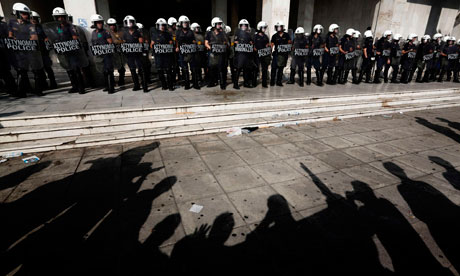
(244, 53)
(282, 48)
(187, 56)
(428, 58)
(262, 56)
(201, 58)
(347, 60)
(119, 60)
(104, 62)
(451, 53)
(383, 49)
(45, 53)
(419, 64)
(299, 57)
(330, 58)
(408, 60)
(26, 59)
(5, 62)
(369, 61)
(135, 59)
(395, 56)
(315, 53)
(218, 57)
(163, 49)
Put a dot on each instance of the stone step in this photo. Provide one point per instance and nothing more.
(120, 113)
(25, 133)
(175, 131)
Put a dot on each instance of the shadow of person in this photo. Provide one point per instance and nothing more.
(19, 176)
(451, 124)
(55, 241)
(348, 242)
(409, 254)
(440, 129)
(451, 174)
(432, 207)
(151, 260)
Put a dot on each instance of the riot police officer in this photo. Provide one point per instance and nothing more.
(102, 49)
(442, 60)
(119, 60)
(5, 61)
(331, 53)
(395, 57)
(27, 57)
(172, 28)
(437, 56)
(347, 55)
(133, 38)
(231, 51)
(383, 52)
(451, 52)
(368, 57)
(282, 45)
(300, 54)
(244, 49)
(44, 45)
(146, 64)
(67, 45)
(263, 53)
(217, 43)
(163, 49)
(316, 46)
(419, 64)
(201, 56)
(408, 57)
(187, 49)
(357, 60)
(428, 58)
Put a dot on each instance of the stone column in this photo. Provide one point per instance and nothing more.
(275, 10)
(219, 8)
(305, 15)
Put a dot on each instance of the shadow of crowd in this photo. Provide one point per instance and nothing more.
(89, 223)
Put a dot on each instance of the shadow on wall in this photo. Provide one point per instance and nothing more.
(435, 11)
(89, 223)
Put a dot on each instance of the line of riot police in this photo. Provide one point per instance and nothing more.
(183, 53)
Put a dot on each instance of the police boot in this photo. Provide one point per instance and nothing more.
(169, 80)
(264, 78)
(291, 77)
(394, 77)
(39, 82)
(434, 74)
(377, 75)
(441, 75)
(236, 78)
(121, 76)
(301, 79)
(308, 76)
(345, 76)
(42, 80)
(11, 86)
(385, 75)
(111, 82)
(319, 78)
(162, 77)
(404, 77)
(51, 77)
(456, 77)
(186, 75)
(411, 76)
(212, 78)
(135, 77)
(223, 80)
(73, 81)
(80, 82)
(23, 85)
(426, 76)
(419, 76)
(448, 75)
(196, 78)
(368, 76)
(106, 81)
(338, 75)
(255, 74)
(247, 78)
(88, 76)
(144, 80)
(353, 75)
(273, 77)
(279, 77)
